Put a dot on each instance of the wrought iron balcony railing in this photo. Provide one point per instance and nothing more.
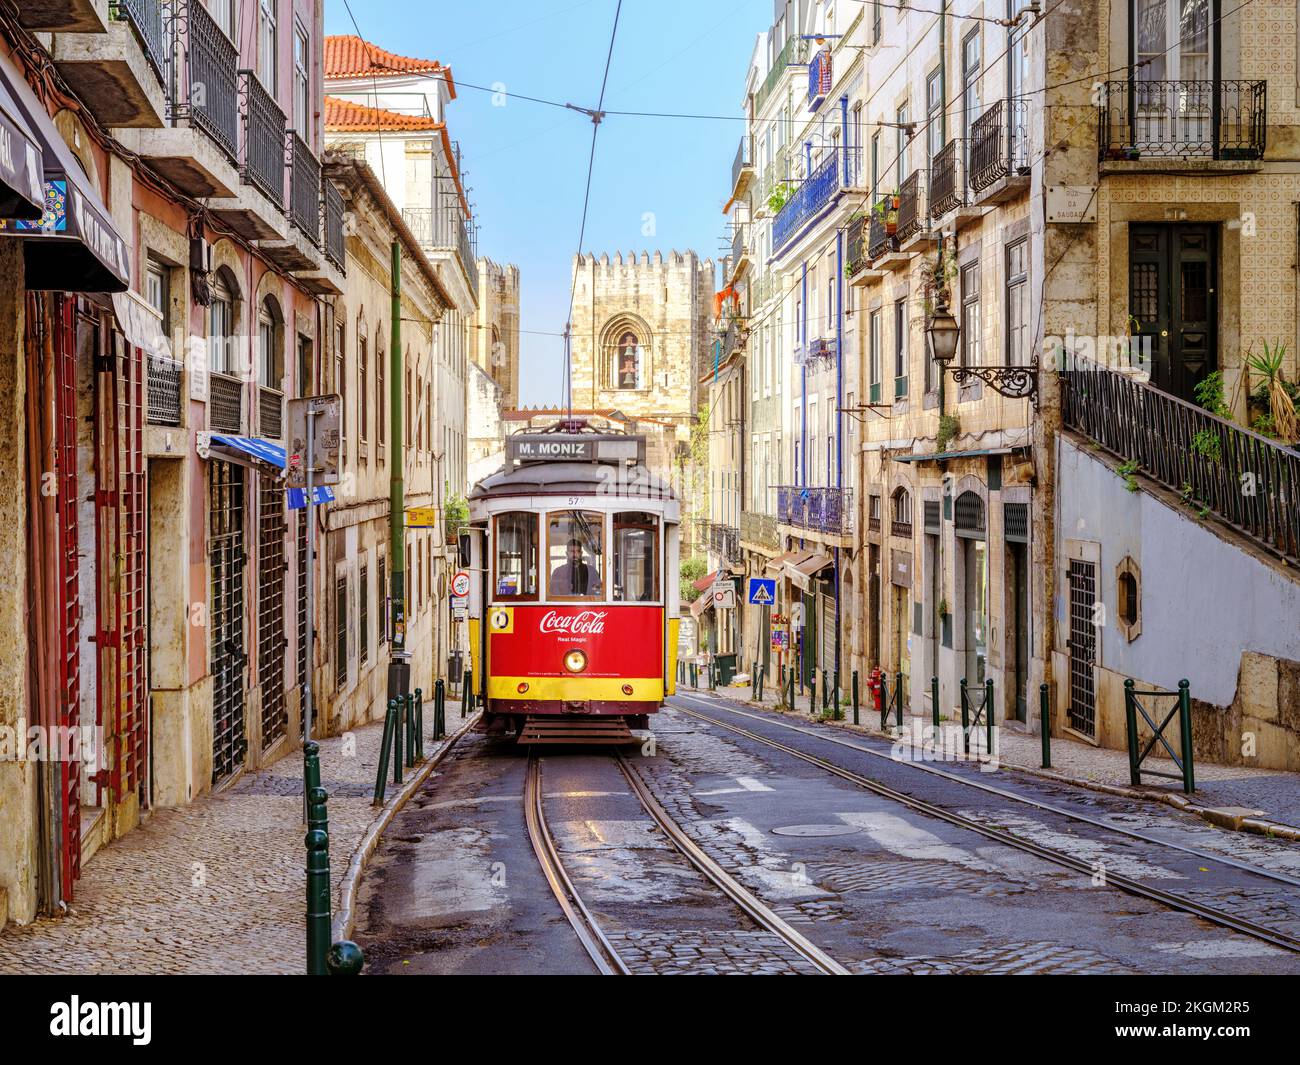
(304, 188)
(264, 133)
(743, 165)
(146, 18)
(999, 143)
(1187, 449)
(813, 194)
(822, 349)
(1182, 119)
(444, 229)
(164, 380)
(911, 208)
(855, 248)
(948, 179)
(724, 540)
(759, 529)
(879, 240)
(225, 403)
(826, 510)
(821, 77)
(212, 81)
(335, 246)
(794, 53)
(270, 413)
(739, 248)
(733, 339)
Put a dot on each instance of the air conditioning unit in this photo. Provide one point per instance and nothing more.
(200, 255)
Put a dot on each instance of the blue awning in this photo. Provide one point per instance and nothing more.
(251, 447)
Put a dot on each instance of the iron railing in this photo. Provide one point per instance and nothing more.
(264, 133)
(775, 173)
(999, 143)
(164, 376)
(304, 187)
(1205, 458)
(146, 18)
(759, 529)
(225, 403)
(911, 209)
(826, 510)
(733, 339)
(212, 80)
(813, 194)
(724, 540)
(948, 179)
(878, 239)
(1183, 119)
(270, 413)
(744, 161)
(855, 248)
(820, 78)
(335, 245)
(444, 229)
(794, 52)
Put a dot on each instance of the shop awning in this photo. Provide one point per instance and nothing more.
(700, 605)
(947, 456)
(247, 451)
(141, 325)
(779, 562)
(74, 246)
(22, 181)
(705, 582)
(802, 571)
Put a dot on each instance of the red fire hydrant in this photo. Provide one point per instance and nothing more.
(874, 685)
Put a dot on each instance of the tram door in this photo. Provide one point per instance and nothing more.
(226, 561)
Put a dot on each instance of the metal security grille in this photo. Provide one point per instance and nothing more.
(932, 517)
(969, 515)
(1015, 522)
(303, 563)
(226, 560)
(341, 631)
(270, 610)
(1083, 647)
(363, 612)
(133, 705)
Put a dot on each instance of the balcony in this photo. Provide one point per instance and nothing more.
(270, 413)
(742, 168)
(821, 510)
(821, 76)
(740, 259)
(304, 188)
(759, 530)
(911, 209)
(1204, 458)
(119, 69)
(1150, 123)
(164, 385)
(948, 186)
(855, 246)
(207, 99)
(733, 339)
(794, 53)
(812, 196)
(724, 541)
(821, 350)
(62, 16)
(264, 134)
(444, 229)
(999, 154)
(879, 240)
(225, 403)
(335, 246)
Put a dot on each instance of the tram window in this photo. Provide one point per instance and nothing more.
(636, 558)
(516, 538)
(575, 553)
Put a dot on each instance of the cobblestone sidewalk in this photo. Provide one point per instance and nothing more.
(217, 886)
(1223, 793)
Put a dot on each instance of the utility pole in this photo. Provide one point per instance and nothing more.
(399, 663)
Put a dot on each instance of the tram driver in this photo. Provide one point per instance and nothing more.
(575, 576)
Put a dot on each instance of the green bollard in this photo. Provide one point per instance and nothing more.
(1185, 728)
(317, 818)
(762, 679)
(884, 700)
(439, 697)
(988, 714)
(812, 696)
(898, 699)
(409, 710)
(318, 900)
(390, 718)
(344, 959)
(419, 724)
(311, 765)
(1045, 724)
(934, 706)
(965, 717)
(1130, 715)
(399, 730)
(468, 700)
(855, 697)
(753, 686)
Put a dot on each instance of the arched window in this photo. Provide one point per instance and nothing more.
(270, 344)
(901, 513)
(363, 394)
(626, 354)
(222, 356)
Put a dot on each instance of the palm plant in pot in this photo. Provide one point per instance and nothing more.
(1272, 403)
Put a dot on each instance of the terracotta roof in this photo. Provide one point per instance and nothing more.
(351, 57)
(345, 116)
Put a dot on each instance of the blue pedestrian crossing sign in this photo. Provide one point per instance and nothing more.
(762, 591)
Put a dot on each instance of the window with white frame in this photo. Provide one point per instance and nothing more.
(1018, 303)
(970, 315)
(301, 83)
(267, 44)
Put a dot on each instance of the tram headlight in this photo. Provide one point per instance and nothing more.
(575, 661)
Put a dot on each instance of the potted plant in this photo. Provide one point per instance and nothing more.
(1132, 152)
(1274, 398)
(780, 196)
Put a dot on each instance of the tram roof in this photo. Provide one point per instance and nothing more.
(574, 478)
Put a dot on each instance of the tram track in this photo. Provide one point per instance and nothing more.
(592, 936)
(1129, 885)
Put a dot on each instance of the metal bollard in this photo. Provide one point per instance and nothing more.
(344, 959)
(1185, 730)
(1130, 722)
(318, 883)
(884, 700)
(311, 765)
(409, 710)
(855, 697)
(812, 695)
(988, 715)
(898, 698)
(762, 677)
(934, 707)
(390, 719)
(419, 722)
(965, 717)
(468, 699)
(439, 709)
(399, 730)
(1045, 724)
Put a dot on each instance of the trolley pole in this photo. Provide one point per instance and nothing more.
(399, 663)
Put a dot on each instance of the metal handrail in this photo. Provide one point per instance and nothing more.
(212, 80)
(1182, 119)
(911, 212)
(335, 244)
(948, 179)
(264, 133)
(999, 143)
(304, 187)
(146, 18)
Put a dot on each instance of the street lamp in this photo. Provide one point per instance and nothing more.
(943, 332)
(1015, 382)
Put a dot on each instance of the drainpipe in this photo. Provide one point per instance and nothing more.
(399, 665)
(839, 424)
(802, 326)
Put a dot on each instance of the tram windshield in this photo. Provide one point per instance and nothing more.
(636, 558)
(516, 539)
(575, 554)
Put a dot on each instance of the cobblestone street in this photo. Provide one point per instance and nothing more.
(216, 886)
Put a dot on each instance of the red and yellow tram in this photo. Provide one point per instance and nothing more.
(574, 613)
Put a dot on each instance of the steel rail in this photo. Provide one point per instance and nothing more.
(602, 952)
(1038, 804)
(749, 903)
(1123, 883)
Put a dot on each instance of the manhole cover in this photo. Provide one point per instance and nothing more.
(815, 830)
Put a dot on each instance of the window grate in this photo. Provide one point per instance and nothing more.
(1015, 522)
(969, 519)
(270, 611)
(932, 520)
(226, 560)
(341, 631)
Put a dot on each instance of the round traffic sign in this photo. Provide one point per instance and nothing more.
(460, 584)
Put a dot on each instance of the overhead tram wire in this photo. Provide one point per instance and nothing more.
(596, 115)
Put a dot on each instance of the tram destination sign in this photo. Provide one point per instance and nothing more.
(574, 447)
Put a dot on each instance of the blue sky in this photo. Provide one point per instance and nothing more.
(527, 162)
